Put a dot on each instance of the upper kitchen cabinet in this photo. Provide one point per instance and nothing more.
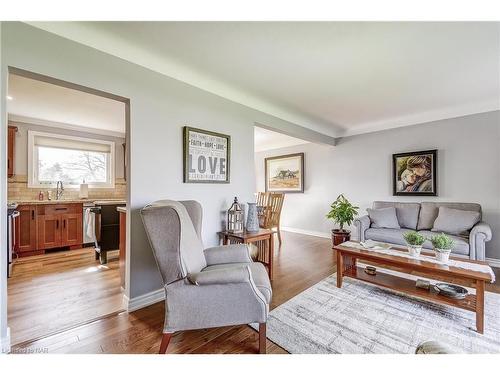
(11, 139)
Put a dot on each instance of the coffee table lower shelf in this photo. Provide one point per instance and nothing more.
(407, 286)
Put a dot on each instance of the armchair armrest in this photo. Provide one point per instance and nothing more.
(362, 224)
(478, 236)
(237, 253)
(232, 275)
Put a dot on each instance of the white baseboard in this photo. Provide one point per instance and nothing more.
(5, 343)
(144, 300)
(306, 232)
(493, 262)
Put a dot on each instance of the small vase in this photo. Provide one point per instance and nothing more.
(442, 255)
(252, 218)
(414, 250)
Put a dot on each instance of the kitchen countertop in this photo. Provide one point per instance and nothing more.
(68, 201)
(121, 209)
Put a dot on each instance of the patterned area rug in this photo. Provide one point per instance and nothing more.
(362, 318)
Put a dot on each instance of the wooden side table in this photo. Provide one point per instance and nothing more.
(264, 239)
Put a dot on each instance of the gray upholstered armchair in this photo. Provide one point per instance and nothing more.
(216, 287)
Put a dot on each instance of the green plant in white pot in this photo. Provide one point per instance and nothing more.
(414, 242)
(442, 245)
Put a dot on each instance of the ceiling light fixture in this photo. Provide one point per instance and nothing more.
(9, 97)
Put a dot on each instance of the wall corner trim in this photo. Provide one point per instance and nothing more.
(5, 343)
(144, 300)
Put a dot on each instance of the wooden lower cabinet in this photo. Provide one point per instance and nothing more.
(26, 229)
(49, 231)
(48, 226)
(72, 231)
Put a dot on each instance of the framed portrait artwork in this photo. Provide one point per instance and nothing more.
(415, 173)
(206, 156)
(285, 173)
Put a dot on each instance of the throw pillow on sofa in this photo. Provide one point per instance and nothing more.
(383, 218)
(458, 222)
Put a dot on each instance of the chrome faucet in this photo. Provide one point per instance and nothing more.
(59, 190)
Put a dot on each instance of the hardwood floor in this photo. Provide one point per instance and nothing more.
(301, 262)
(53, 292)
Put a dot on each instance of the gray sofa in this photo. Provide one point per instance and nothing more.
(421, 217)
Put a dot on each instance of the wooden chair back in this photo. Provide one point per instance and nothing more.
(271, 204)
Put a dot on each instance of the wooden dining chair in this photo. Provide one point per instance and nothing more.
(270, 211)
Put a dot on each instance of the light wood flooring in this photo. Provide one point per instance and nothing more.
(60, 290)
(301, 262)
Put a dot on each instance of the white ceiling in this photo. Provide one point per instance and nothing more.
(47, 104)
(269, 140)
(338, 78)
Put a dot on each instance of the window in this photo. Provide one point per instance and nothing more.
(72, 160)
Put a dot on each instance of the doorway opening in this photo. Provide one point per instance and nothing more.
(67, 196)
(279, 172)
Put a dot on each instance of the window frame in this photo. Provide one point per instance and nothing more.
(33, 181)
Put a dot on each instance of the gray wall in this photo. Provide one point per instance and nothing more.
(3, 204)
(361, 167)
(21, 150)
(159, 108)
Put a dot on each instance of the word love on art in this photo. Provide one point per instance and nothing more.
(209, 167)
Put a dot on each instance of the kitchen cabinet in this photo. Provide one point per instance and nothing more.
(123, 243)
(26, 229)
(49, 231)
(49, 226)
(60, 225)
(72, 230)
(11, 143)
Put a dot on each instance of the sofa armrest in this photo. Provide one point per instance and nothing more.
(236, 253)
(232, 275)
(362, 224)
(482, 228)
(479, 235)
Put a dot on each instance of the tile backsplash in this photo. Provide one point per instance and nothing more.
(18, 190)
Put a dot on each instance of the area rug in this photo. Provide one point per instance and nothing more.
(362, 318)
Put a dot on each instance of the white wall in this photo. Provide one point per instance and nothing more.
(361, 168)
(159, 108)
(21, 149)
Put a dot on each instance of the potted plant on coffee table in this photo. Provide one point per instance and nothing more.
(414, 242)
(442, 245)
(342, 213)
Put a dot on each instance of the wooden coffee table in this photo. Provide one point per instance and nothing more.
(347, 267)
(264, 239)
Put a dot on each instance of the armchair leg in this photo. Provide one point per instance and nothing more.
(262, 338)
(165, 340)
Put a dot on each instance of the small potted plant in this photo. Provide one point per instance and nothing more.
(414, 242)
(342, 212)
(442, 245)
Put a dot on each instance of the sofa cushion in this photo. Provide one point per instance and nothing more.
(259, 275)
(461, 243)
(383, 218)
(407, 213)
(429, 212)
(394, 236)
(458, 222)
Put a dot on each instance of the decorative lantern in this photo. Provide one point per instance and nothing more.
(235, 218)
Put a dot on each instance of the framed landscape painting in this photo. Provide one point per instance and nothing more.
(206, 156)
(285, 173)
(415, 173)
